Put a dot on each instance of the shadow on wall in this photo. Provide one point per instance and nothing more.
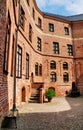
(4, 106)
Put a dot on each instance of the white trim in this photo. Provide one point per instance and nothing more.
(78, 38)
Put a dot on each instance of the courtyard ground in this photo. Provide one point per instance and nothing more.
(63, 113)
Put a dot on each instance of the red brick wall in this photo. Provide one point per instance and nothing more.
(3, 77)
(78, 44)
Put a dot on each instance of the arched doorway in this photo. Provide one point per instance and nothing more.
(23, 94)
(52, 88)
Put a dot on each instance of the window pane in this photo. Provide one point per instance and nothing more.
(51, 27)
(38, 44)
(53, 77)
(22, 18)
(39, 23)
(40, 70)
(66, 77)
(7, 43)
(36, 69)
(19, 62)
(66, 30)
(52, 65)
(70, 50)
(56, 48)
(65, 66)
(30, 33)
(27, 66)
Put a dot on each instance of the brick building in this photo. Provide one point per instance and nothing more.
(49, 51)
(3, 75)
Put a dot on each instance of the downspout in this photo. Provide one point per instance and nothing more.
(15, 58)
(74, 55)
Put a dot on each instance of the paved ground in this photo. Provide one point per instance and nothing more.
(61, 114)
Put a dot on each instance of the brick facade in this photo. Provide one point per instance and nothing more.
(43, 57)
(3, 76)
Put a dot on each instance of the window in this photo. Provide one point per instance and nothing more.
(33, 13)
(22, 18)
(38, 44)
(65, 66)
(36, 69)
(51, 27)
(66, 30)
(39, 23)
(30, 33)
(70, 50)
(53, 77)
(52, 65)
(7, 44)
(27, 66)
(56, 47)
(12, 58)
(28, 1)
(40, 70)
(65, 77)
(15, 2)
(19, 62)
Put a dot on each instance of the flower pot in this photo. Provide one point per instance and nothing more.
(49, 99)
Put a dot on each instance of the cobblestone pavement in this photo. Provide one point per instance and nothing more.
(63, 113)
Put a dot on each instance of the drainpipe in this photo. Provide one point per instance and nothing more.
(14, 89)
(74, 54)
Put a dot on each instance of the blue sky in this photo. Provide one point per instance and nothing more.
(61, 7)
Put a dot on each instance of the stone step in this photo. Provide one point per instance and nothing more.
(34, 96)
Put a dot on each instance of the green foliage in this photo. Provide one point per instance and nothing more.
(50, 93)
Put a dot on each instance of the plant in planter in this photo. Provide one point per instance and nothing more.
(50, 93)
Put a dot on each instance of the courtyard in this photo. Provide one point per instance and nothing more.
(63, 113)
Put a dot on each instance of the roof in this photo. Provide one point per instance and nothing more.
(73, 18)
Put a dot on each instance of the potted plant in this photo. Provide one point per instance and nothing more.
(50, 93)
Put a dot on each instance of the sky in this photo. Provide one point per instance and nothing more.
(61, 7)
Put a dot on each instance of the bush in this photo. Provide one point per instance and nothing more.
(50, 93)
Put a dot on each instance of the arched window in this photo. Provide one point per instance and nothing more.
(52, 65)
(36, 69)
(65, 77)
(40, 70)
(53, 77)
(65, 66)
